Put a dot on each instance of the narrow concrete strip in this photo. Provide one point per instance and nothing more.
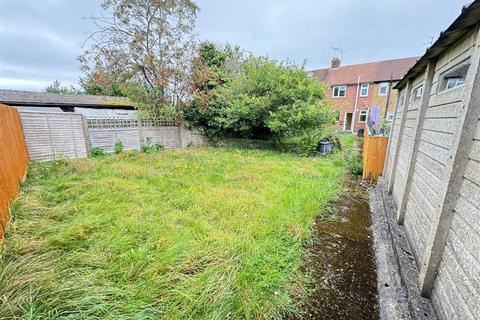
(398, 290)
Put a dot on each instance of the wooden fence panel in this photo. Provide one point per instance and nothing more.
(51, 135)
(374, 153)
(13, 160)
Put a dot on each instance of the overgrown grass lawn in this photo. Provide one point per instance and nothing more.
(212, 233)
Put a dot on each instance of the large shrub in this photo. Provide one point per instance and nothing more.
(259, 98)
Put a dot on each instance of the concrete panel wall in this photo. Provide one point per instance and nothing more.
(410, 118)
(134, 137)
(424, 185)
(457, 286)
(394, 135)
(51, 136)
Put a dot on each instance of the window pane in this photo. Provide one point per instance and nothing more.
(451, 83)
(363, 116)
(383, 89)
(364, 90)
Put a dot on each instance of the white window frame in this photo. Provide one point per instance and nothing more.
(363, 112)
(340, 87)
(383, 85)
(362, 87)
(457, 82)
(390, 116)
(418, 93)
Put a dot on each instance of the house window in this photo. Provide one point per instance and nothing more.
(364, 89)
(390, 116)
(339, 91)
(455, 77)
(417, 93)
(363, 116)
(383, 89)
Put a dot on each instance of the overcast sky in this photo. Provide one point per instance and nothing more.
(40, 39)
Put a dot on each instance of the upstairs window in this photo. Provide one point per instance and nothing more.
(364, 89)
(455, 77)
(383, 89)
(363, 116)
(339, 91)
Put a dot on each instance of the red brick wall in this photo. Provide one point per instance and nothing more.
(347, 104)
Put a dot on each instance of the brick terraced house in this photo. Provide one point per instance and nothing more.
(354, 89)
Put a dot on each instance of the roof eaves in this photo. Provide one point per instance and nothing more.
(469, 17)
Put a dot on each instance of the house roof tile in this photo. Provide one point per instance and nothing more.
(368, 72)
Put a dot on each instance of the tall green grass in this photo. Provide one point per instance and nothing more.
(212, 233)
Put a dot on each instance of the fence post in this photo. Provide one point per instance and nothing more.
(390, 138)
(86, 134)
(456, 167)
(50, 140)
(427, 89)
(400, 134)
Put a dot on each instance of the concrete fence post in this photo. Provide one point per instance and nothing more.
(456, 168)
(427, 89)
(86, 134)
(400, 134)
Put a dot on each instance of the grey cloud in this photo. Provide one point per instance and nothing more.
(40, 40)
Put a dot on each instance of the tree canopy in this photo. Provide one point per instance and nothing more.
(141, 45)
(240, 95)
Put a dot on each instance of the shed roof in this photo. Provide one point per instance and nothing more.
(29, 98)
(378, 71)
(469, 17)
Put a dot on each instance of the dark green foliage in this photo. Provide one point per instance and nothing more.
(118, 146)
(97, 152)
(355, 163)
(258, 98)
(56, 87)
(150, 148)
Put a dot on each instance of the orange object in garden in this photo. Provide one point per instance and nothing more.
(13, 160)
(374, 153)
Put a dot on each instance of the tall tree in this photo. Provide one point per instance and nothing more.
(145, 44)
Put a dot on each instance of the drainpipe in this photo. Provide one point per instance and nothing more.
(356, 105)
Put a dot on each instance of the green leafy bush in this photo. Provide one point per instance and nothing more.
(97, 152)
(118, 147)
(260, 99)
(354, 162)
(149, 147)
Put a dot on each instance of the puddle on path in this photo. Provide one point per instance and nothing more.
(341, 260)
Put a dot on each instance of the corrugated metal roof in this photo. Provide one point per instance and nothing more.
(469, 17)
(29, 98)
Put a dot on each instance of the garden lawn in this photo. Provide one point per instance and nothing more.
(211, 233)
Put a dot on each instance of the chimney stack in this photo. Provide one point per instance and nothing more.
(335, 63)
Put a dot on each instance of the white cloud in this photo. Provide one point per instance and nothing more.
(24, 84)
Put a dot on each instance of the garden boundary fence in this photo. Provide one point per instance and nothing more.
(56, 135)
(13, 160)
(133, 133)
(432, 173)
